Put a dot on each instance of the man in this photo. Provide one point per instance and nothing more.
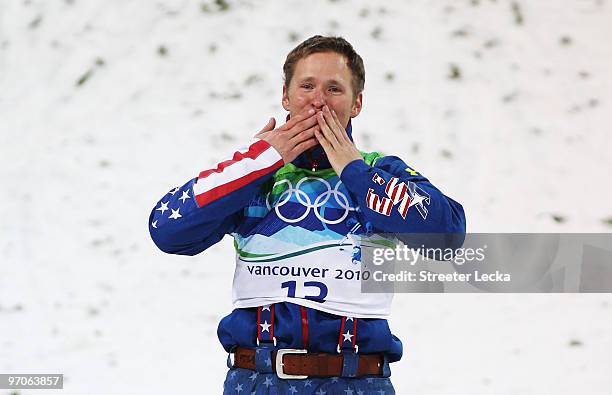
(301, 201)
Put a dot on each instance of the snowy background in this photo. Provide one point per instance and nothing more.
(106, 105)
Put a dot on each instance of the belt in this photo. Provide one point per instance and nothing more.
(300, 364)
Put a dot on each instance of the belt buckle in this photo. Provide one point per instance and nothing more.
(279, 363)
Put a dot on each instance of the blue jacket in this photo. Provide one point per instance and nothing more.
(233, 198)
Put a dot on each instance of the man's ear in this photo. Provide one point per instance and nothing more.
(285, 100)
(356, 109)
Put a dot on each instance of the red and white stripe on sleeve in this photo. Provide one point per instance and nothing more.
(245, 166)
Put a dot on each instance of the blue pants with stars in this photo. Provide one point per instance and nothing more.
(249, 382)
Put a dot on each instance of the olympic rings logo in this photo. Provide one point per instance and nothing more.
(305, 201)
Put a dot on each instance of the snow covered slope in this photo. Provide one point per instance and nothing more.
(106, 105)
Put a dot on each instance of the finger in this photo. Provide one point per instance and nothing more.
(335, 127)
(298, 118)
(327, 147)
(327, 132)
(302, 125)
(269, 126)
(304, 135)
(304, 145)
(344, 135)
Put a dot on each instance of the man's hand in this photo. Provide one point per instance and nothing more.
(294, 137)
(332, 136)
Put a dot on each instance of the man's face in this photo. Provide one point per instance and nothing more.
(319, 79)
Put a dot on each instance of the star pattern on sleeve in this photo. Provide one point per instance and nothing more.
(184, 196)
(173, 213)
(163, 207)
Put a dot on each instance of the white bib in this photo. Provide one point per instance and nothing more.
(322, 276)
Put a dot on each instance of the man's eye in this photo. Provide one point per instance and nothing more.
(306, 86)
(334, 89)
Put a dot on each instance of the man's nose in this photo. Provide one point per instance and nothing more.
(318, 99)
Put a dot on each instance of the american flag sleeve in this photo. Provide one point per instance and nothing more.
(192, 217)
(394, 198)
